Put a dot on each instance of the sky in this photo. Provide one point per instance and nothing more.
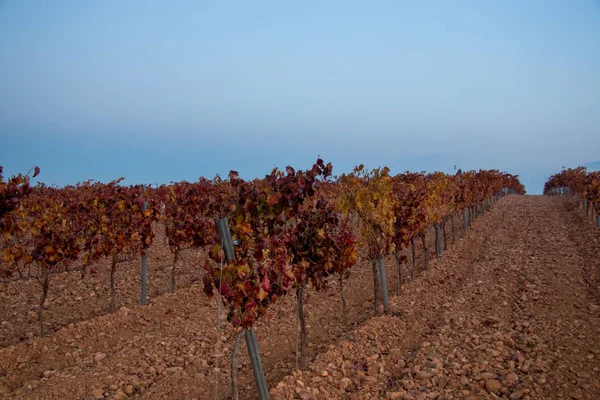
(158, 91)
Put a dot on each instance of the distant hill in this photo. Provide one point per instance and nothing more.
(593, 166)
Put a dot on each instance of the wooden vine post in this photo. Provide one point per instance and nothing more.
(414, 257)
(424, 245)
(445, 235)
(438, 240)
(144, 258)
(383, 279)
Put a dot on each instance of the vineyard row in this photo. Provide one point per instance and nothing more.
(580, 186)
(291, 228)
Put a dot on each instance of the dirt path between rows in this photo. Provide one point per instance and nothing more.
(511, 313)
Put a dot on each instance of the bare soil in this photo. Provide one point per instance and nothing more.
(75, 297)
(510, 311)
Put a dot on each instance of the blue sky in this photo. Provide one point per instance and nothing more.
(166, 91)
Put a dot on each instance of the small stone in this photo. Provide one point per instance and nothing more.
(408, 384)
(98, 394)
(120, 395)
(488, 375)
(31, 384)
(516, 395)
(394, 395)
(344, 383)
(423, 375)
(511, 379)
(99, 357)
(493, 385)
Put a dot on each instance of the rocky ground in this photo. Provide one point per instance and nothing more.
(511, 311)
(75, 297)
